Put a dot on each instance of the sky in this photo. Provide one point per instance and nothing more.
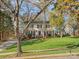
(34, 10)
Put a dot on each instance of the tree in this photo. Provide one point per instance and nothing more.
(6, 25)
(15, 14)
(56, 21)
(69, 7)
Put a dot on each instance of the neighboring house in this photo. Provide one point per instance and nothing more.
(71, 29)
(68, 29)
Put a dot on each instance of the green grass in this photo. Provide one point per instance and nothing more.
(67, 43)
(48, 43)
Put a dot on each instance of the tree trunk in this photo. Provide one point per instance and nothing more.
(1, 35)
(19, 50)
(54, 34)
(61, 34)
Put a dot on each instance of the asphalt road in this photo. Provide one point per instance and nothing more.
(64, 57)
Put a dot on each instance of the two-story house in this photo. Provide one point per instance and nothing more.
(39, 29)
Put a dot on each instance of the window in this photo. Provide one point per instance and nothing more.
(47, 26)
(39, 26)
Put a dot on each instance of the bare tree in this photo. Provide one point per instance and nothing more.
(15, 14)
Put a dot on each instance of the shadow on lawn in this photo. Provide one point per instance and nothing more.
(75, 37)
(27, 42)
(31, 42)
(72, 46)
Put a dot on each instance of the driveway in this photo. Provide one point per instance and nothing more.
(7, 44)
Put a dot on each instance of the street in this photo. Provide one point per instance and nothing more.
(65, 57)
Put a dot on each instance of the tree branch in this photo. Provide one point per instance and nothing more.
(36, 16)
(7, 6)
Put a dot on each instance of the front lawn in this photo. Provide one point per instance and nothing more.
(48, 43)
